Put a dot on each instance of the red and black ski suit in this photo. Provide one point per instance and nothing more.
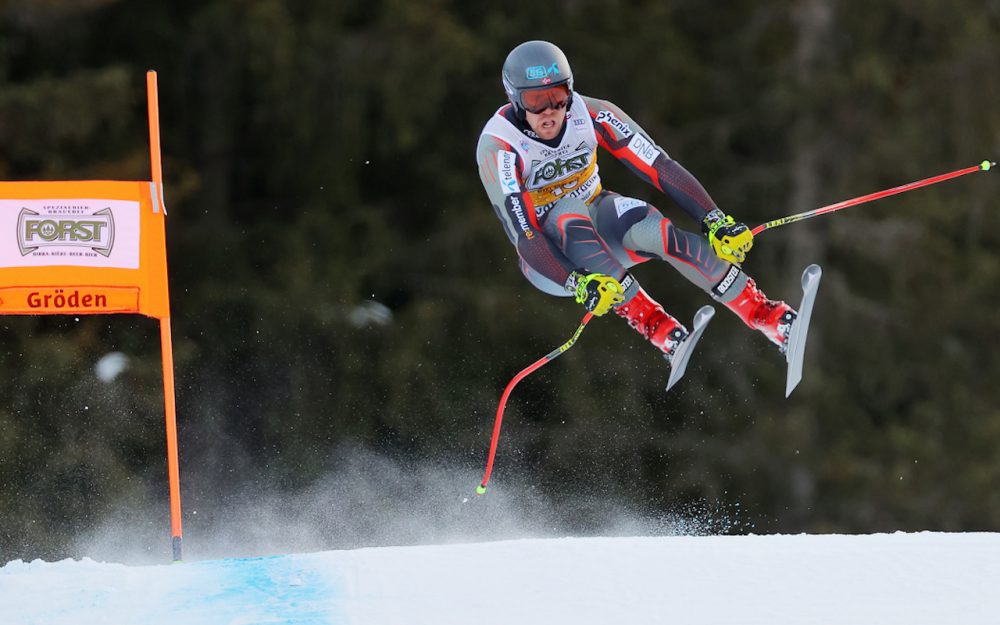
(549, 197)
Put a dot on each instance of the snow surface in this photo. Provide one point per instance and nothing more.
(883, 579)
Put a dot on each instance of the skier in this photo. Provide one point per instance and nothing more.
(537, 160)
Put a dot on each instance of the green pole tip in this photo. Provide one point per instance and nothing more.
(986, 165)
(480, 490)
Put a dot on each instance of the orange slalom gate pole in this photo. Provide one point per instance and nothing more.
(166, 341)
(173, 468)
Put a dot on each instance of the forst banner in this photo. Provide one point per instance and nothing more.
(87, 247)
(73, 232)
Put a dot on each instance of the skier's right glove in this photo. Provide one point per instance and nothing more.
(730, 240)
(597, 292)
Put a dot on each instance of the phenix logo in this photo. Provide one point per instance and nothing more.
(96, 231)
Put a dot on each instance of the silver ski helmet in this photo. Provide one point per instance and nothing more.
(535, 66)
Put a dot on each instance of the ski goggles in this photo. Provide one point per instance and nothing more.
(538, 100)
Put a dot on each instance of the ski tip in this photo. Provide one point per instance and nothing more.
(987, 165)
(796, 342)
(703, 314)
(480, 490)
(812, 272)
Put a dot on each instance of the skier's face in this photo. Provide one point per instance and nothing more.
(545, 108)
(548, 123)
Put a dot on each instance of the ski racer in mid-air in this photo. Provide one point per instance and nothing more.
(537, 160)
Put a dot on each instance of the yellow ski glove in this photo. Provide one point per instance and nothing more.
(597, 292)
(730, 240)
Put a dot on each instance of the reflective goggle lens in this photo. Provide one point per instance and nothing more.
(537, 100)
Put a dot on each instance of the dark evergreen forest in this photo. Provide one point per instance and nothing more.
(347, 309)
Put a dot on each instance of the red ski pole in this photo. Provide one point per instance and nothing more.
(481, 489)
(984, 166)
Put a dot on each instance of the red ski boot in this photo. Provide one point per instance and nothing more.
(649, 319)
(773, 318)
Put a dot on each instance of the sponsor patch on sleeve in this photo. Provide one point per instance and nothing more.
(507, 170)
(642, 148)
(609, 118)
(625, 204)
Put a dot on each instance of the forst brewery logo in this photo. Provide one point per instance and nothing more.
(66, 228)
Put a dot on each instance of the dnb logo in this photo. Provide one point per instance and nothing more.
(540, 72)
(95, 231)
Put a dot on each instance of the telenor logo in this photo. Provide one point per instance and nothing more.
(95, 231)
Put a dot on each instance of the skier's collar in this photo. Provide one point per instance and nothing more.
(522, 125)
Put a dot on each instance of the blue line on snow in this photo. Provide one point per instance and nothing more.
(276, 589)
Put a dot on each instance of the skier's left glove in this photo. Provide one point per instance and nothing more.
(730, 239)
(597, 292)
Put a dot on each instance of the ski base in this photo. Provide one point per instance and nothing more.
(684, 351)
(795, 353)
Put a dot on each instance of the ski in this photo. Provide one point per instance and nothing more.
(795, 353)
(684, 351)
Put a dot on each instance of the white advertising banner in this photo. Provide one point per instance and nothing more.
(76, 232)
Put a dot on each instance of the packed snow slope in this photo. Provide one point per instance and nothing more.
(883, 579)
